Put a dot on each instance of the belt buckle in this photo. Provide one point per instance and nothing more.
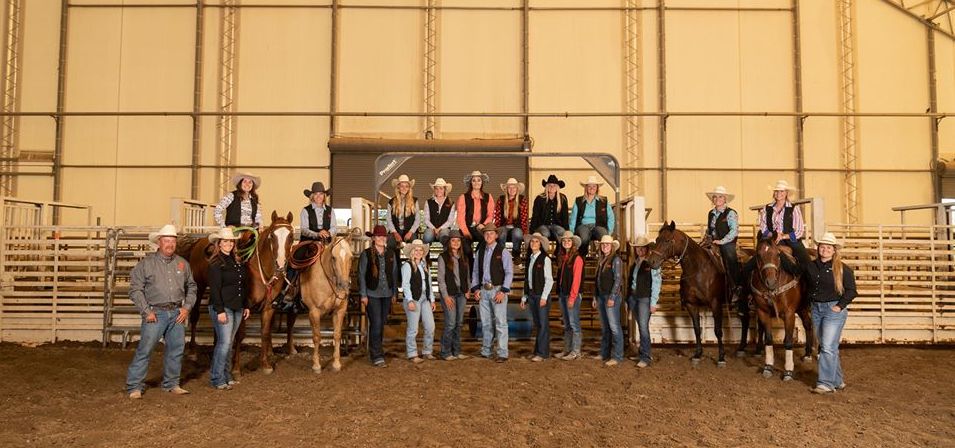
(488, 286)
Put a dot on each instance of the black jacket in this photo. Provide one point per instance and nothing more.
(820, 281)
(226, 284)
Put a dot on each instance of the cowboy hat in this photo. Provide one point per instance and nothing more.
(552, 179)
(720, 190)
(570, 236)
(513, 181)
(402, 178)
(491, 228)
(225, 233)
(379, 230)
(828, 238)
(591, 180)
(440, 182)
(536, 236)
(608, 239)
(641, 241)
(238, 176)
(317, 187)
(414, 244)
(467, 179)
(166, 230)
(782, 185)
(455, 234)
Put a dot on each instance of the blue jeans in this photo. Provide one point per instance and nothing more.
(611, 333)
(827, 325)
(571, 317)
(493, 317)
(453, 320)
(541, 317)
(550, 231)
(377, 312)
(422, 313)
(174, 336)
(516, 236)
(221, 371)
(442, 235)
(588, 232)
(640, 308)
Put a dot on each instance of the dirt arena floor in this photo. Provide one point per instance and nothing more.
(72, 395)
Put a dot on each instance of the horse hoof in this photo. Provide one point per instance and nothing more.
(292, 351)
(336, 367)
(721, 364)
(741, 353)
(767, 372)
(268, 370)
(317, 370)
(788, 375)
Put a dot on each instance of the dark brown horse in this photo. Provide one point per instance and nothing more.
(777, 293)
(702, 285)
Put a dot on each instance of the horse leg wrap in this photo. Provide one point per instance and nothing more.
(770, 358)
(789, 360)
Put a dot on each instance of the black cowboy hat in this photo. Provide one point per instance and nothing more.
(552, 179)
(317, 187)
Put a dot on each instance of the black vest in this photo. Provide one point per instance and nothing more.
(313, 220)
(372, 274)
(416, 284)
(565, 274)
(719, 229)
(233, 213)
(439, 213)
(404, 225)
(537, 288)
(601, 206)
(464, 274)
(605, 276)
(644, 281)
(497, 265)
(545, 212)
(469, 208)
(787, 219)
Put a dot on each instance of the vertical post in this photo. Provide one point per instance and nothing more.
(430, 67)
(849, 138)
(9, 153)
(933, 108)
(333, 75)
(881, 283)
(525, 67)
(197, 101)
(933, 240)
(798, 121)
(662, 94)
(60, 97)
(225, 124)
(633, 131)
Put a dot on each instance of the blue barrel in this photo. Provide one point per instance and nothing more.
(519, 324)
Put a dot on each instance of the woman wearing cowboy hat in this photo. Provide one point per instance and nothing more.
(475, 209)
(228, 303)
(510, 215)
(454, 283)
(403, 218)
(645, 285)
(418, 300)
(722, 229)
(782, 218)
(592, 216)
(831, 287)
(537, 287)
(570, 274)
(317, 219)
(439, 213)
(550, 209)
(244, 211)
(378, 289)
(608, 283)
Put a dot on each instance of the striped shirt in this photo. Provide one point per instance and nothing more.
(246, 208)
(799, 226)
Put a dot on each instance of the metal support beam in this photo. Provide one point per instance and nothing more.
(225, 124)
(9, 125)
(662, 106)
(430, 67)
(197, 101)
(333, 74)
(849, 131)
(633, 127)
(798, 122)
(933, 107)
(948, 33)
(525, 66)
(60, 97)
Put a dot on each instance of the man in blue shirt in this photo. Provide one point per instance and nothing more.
(492, 274)
(592, 216)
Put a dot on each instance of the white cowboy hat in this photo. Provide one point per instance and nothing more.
(238, 176)
(592, 180)
(536, 236)
(513, 181)
(402, 178)
(641, 241)
(828, 238)
(782, 185)
(467, 179)
(166, 230)
(570, 236)
(225, 233)
(440, 182)
(608, 239)
(412, 245)
(721, 190)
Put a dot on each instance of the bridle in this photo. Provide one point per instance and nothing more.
(770, 292)
(341, 291)
(686, 245)
(276, 272)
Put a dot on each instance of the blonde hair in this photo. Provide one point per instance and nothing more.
(556, 198)
(837, 270)
(409, 205)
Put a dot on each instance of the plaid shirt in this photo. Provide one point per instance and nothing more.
(503, 205)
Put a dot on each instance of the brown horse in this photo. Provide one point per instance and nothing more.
(701, 284)
(778, 293)
(326, 284)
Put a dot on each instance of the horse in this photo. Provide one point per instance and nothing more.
(778, 293)
(325, 276)
(702, 285)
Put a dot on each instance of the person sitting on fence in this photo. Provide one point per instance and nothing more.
(475, 210)
(510, 216)
(722, 229)
(162, 288)
(418, 301)
(403, 218)
(228, 304)
(240, 207)
(645, 283)
(592, 216)
(439, 214)
(550, 210)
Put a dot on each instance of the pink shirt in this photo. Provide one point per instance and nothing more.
(465, 221)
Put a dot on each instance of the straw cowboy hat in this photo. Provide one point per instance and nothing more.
(256, 180)
(552, 179)
(570, 236)
(166, 230)
(608, 239)
(317, 187)
(467, 179)
(536, 236)
(402, 178)
(721, 190)
(491, 228)
(513, 181)
(641, 241)
(225, 233)
(592, 180)
(440, 182)
(782, 185)
(412, 245)
(828, 238)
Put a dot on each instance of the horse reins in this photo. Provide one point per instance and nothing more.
(686, 245)
(275, 274)
(301, 264)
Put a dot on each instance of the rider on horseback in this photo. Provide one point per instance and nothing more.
(722, 229)
(316, 223)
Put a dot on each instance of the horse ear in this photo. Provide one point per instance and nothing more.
(288, 217)
(275, 216)
(672, 225)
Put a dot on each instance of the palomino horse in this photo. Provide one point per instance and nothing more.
(701, 284)
(326, 284)
(778, 293)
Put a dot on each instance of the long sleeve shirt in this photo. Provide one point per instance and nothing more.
(799, 226)
(383, 289)
(303, 221)
(576, 283)
(548, 276)
(821, 281)
(464, 222)
(390, 225)
(406, 282)
(656, 281)
(442, 271)
(617, 267)
(732, 220)
(452, 217)
(508, 268)
(520, 217)
(159, 280)
(590, 215)
(226, 285)
(218, 214)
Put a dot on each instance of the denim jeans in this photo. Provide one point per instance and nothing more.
(221, 372)
(493, 317)
(174, 336)
(640, 308)
(453, 321)
(571, 317)
(422, 313)
(550, 231)
(541, 317)
(377, 312)
(828, 330)
(516, 236)
(588, 232)
(611, 339)
(442, 235)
